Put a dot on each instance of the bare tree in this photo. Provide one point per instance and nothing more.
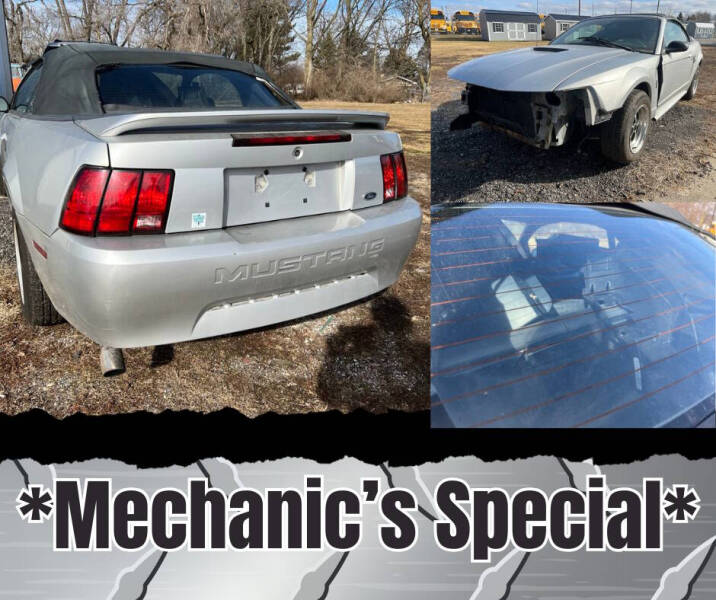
(313, 12)
(348, 43)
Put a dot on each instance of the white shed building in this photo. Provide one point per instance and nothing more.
(510, 25)
(700, 31)
(556, 24)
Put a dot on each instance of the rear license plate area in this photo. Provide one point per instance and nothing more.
(256, 195)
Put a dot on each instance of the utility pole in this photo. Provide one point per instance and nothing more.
(579, 12)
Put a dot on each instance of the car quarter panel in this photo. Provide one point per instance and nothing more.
(40, 159)
(149, 290)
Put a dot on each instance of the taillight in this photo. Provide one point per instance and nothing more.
(395, 176)
(80, 211)
(401, 175)
(153, 201)
(117, 201)
(386, 162)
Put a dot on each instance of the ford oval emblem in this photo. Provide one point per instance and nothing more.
(370, 195)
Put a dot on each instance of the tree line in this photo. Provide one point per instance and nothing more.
(351, 49)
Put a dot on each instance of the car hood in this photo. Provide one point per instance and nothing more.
(545, 68)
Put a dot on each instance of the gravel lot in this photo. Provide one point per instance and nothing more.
(373, 354)
(481, 165)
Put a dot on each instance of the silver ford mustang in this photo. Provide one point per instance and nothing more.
(159, 197)
(617, 71)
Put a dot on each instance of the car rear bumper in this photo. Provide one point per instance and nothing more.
(149, 290)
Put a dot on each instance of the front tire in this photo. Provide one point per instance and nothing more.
(624, 135)
(691, 92)
(37, 307)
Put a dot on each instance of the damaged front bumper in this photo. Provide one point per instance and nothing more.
(541, 119)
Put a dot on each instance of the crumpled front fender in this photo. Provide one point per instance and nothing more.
(609, 92)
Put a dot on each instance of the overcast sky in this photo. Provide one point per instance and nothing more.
(570, 6)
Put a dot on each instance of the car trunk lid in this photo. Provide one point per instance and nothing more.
(240, 167)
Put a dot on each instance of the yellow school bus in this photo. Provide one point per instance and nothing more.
(465, 21)
(438, 22)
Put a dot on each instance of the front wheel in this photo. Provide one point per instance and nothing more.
(37, 307)
(691, 92)
(624, 135)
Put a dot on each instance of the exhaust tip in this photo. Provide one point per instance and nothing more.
(111, 361)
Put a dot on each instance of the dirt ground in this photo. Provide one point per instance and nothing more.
(481, 165)
(373, 354)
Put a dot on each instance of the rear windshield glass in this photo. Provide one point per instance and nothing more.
(635, 33)
(563, 316)
(135, 87)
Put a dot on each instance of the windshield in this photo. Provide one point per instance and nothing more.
(634, 33)
(437, 15)
(138, 87)
(464, 17)
(562, 316)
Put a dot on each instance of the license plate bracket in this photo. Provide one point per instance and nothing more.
(255, 195)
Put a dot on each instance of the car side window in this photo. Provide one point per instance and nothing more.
(25, 95)
(673, 32)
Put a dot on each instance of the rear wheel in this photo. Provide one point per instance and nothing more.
(624, 135)
(37, 307)
(691, 92)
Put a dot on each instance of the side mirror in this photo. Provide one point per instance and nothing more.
(676, 46)
(4, 106)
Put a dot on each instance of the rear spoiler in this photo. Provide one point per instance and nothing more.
(234, 120)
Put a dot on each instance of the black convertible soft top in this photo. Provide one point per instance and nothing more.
(68, 84)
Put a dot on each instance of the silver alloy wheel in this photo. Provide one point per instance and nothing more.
(639, 126)
(17, 260)
(695, 83)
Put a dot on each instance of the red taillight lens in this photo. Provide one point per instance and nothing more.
(388, 166)
(395, 176)
(80, 211)
(119, 200)
(153, 201)
(132, 200)
(401, 175)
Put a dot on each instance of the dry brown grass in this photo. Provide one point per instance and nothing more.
(374, 354)
(411, 121)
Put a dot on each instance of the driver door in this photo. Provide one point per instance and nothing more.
(677, 67)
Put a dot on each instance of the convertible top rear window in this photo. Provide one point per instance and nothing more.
(564, 316)
(190, 87)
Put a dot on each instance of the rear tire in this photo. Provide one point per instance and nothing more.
(37, 307)
(618, 134)
(691, 92)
